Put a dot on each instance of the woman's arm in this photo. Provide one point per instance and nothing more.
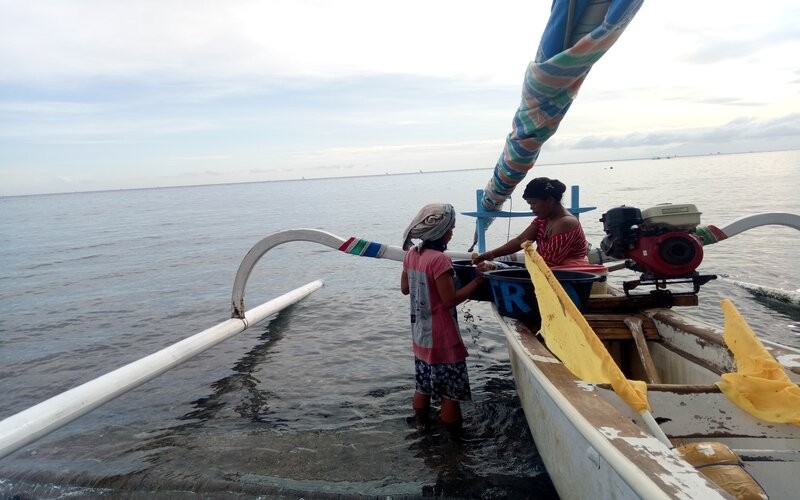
(511, 246)
(447, 289)
(404, 283)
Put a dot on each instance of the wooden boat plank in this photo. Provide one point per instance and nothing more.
(612, 326)
(636, 328)
(634, 303)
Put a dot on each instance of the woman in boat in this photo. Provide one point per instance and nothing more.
(429, 278)
(558, 234)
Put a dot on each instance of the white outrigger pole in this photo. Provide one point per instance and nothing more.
(37, 421)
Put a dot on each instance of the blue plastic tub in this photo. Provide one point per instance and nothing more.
(465, 272)
(514, 296)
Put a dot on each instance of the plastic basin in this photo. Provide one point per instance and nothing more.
(514, 296)
(466, 272)
(600, 286)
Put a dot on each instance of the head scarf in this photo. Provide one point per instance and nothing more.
(542, 188)
(431, 223)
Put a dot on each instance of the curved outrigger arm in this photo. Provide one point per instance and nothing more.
(356, 246)
(352, 245)
(712, 234)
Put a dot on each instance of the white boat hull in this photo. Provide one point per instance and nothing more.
(594, 446)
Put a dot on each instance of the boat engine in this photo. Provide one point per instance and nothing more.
(658, 241)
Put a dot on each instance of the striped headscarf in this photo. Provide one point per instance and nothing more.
(431, 223)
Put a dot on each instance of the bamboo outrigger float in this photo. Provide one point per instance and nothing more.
(37, 421)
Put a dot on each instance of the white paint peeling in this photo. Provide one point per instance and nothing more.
(688, 483)
(681, 474)
(544, 359)
(690, 486)
(585, 386)
(609, 432)
(650, 445)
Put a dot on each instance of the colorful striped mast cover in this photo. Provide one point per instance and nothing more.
(578, 33)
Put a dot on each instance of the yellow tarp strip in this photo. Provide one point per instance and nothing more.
(569, 336)
(760, 386)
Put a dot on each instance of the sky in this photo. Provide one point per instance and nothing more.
(103, 94)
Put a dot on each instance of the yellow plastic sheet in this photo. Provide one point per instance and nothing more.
(760, 386)
(570, 337)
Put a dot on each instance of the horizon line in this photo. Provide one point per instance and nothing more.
(304, 179)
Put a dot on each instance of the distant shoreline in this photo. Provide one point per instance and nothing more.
(387, 174)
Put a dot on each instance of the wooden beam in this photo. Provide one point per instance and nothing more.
(612, 326)
(635, 326)
(623, 303)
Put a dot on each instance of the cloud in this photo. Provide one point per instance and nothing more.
(132, 93)
(178, 40)
(736, 131)
(718, 45)
(733, 101)
(195, 158)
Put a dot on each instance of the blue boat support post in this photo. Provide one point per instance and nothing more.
(484, 217)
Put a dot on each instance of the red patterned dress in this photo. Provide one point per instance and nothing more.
(563, 249)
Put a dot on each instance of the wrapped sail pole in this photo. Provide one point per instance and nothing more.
(578, 33)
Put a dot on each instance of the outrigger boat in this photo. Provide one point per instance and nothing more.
(593, 443)
(627, 443)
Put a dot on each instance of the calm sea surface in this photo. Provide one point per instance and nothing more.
(314, 401)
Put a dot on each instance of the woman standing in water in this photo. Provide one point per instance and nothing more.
(429, 278)
(558, 234)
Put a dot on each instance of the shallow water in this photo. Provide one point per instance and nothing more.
(314, 401)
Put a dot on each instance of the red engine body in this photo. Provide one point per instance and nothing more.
(673, 254)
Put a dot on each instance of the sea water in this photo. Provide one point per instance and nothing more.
(314, 401)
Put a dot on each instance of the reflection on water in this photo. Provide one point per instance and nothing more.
(254, 397)
(248, 437)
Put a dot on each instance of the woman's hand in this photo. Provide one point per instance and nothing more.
(478, 258)
(484, 266)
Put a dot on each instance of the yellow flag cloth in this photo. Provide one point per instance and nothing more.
(570, 337)
(760, 386)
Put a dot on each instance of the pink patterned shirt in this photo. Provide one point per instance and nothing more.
(436, 337)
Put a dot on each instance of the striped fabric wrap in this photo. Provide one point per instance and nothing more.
(364, 248)
(552, 81)
(710, 234)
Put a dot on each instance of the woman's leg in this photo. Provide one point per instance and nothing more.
(422, 395)
(421, 404)
(451, 412)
